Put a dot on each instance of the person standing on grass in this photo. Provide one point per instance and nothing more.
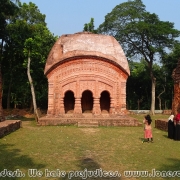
(177, 125)
(171, 127)
(147, 129)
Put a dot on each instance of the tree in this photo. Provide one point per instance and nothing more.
(90, 26)
(34, 49)
(28, 49)
(159, 97)
(27, 23)
(8, 8)
(169, 62)
(138, 86)
(141, 34)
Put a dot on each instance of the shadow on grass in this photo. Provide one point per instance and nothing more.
(166, 136)
(12, 160)
(143, 140)
(91, 170)
(173, 171)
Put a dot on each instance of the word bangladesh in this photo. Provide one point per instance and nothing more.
(9, 173)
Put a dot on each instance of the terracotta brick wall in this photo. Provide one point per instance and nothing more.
(161, 124)
(9, 126)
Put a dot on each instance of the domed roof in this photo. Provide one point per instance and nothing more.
(86, 44)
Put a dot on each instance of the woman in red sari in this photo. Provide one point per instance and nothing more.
(177, 126)
(147, 129)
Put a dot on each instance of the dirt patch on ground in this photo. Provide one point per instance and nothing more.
(27, 113)
(18, 112)
(89, 130)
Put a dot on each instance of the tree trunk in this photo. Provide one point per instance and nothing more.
(160, 98)
(1, 89)
(160, 104)
(153, 79)
(32, 88)
(9, 94)
(153, 86)
(31, 106)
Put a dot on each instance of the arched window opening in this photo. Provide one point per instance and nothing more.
(105, 102)
(69, 102)
(87, 102)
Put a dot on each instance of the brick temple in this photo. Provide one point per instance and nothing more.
(87, 76)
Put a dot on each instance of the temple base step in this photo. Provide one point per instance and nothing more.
(88, 124)
(90, 121)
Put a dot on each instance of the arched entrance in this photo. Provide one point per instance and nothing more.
(87, 101)
(105, 101)
(69, 101)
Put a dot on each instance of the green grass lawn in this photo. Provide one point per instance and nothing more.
(69, 148)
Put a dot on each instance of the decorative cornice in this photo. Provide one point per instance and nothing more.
(85, 57)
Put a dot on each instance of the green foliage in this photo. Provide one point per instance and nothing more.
(26, 31)
(170, 60)
(31, 14)
(8, 9)
(138, 31)
(141, 34)
(139, 86)
(90, 26)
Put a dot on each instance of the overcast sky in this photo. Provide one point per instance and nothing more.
(69, 16)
